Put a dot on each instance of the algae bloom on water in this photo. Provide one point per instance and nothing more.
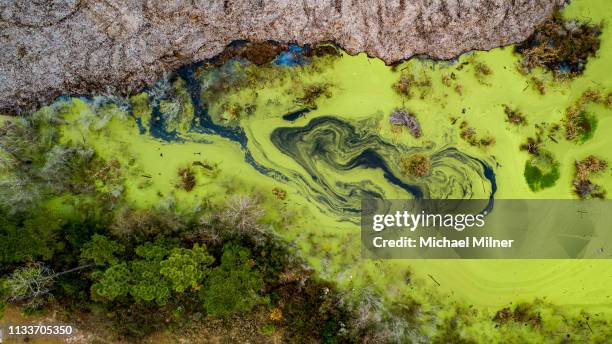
(226, 197)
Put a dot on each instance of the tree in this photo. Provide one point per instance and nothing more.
(148, 284)
(101, 250)
(139, 278)
(157, 271)
(233, 286)
(26, 237)
(243, 214)
(186, 268)
(30, 283)
(114, 282)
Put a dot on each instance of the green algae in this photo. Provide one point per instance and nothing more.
(350, 98)
(542, 171)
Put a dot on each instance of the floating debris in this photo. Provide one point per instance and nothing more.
(513, 116)
(532, 146)
(450, 80)
(416, 165)
(279, 193)
(580, 124)
(407, 82)
(311, 93)
(188, 179)
(469, 135)
(523, 313)
(481, 71)
(539, 85)
(403, 118)
(585, 169)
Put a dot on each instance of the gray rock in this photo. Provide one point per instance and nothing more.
(53, 47)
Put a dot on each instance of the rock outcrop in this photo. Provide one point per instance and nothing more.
(53, 47)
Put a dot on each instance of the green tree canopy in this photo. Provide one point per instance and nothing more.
(148, 284)
(114, 282)
(233, 286)
(101, 250)
(186, 268)
(156, 272)
(27, 237)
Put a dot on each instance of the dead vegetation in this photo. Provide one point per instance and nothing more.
(580, 126)
(312, 93)
(323, 50)
(561, 46)
(523, 313)
(279, 193)
(542, 170)
(243, 214)
(402, 118)
(468, 134)
(545, 132)
(579, 123)
(532, 146)
(450, 80)
(408, 84)
(585, 169)
(515, 117)
(481, 71)
(188, 179)
(416, 165)
(539, 85)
